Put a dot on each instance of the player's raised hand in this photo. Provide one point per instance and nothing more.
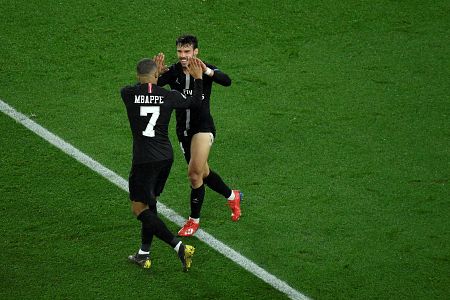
(195, 68)
(204, 67)
(160, 63)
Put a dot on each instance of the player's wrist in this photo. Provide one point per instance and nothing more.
(209, 72)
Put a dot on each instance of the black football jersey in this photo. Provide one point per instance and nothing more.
(149, 108)
(199, 119)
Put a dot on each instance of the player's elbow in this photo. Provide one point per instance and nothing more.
(221, 78)
(227, 82)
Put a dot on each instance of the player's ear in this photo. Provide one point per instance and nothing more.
(195, 52)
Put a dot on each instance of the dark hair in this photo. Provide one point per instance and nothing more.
(187, 39)
(146, 66)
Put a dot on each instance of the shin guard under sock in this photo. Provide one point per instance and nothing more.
(152, 224)
(215, 182)
(197, 197)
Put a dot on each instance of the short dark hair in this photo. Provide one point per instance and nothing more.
(146, 66)
(187, 39)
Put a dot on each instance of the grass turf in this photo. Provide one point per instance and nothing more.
(67, 233)
(336, 128)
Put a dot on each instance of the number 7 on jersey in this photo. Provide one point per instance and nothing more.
(154, 111)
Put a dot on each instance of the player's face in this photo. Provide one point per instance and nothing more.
(184, 52)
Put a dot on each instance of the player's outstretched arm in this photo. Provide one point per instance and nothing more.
(216, 75)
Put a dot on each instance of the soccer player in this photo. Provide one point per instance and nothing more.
(149, 108)
(196, 130)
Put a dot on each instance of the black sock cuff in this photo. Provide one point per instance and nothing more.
(174, 242)
(199, 188)
(144, 214)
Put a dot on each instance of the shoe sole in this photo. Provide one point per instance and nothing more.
(146, 265)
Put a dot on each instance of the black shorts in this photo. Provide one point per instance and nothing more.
(185, 144)
(147, 181)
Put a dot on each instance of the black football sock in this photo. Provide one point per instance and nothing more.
(146, 239)
(197, 196)
(147, 235)
(215, 182)
(154, 225)
(176, 244)
(153, 208)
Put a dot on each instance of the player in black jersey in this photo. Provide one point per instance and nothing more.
(196, 130)
(149, 108)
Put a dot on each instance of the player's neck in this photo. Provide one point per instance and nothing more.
(148, 79)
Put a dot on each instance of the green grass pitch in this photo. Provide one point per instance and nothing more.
(336, 127)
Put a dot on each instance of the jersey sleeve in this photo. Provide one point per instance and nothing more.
(179, 100)
(219, 76)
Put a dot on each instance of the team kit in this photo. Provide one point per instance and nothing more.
(184, 88)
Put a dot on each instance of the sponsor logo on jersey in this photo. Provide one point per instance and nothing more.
(190, 92)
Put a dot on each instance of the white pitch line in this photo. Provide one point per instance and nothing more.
(202, 235)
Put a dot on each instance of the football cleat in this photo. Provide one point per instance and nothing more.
(185, 254)
(189, 228)
(235, 205)
(142, 260)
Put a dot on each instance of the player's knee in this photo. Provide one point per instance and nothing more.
(135, 210)
(195, 178)
(138, 207)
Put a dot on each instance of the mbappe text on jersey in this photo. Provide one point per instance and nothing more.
(146, 99)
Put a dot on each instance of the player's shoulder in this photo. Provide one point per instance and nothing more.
(156, 89)
(175, 68)
(128, 89)
(172, 72)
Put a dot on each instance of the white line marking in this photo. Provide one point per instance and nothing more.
(202, 235)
